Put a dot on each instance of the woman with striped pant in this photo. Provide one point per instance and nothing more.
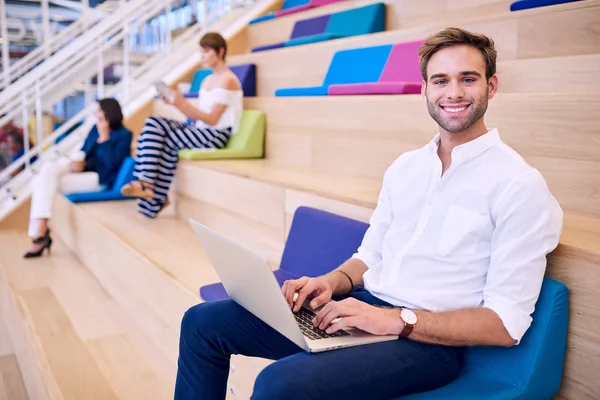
(217, 116)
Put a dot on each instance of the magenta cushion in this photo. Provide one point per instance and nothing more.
(375, 88)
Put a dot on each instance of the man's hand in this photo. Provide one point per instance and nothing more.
(353, 313)
(319, 289)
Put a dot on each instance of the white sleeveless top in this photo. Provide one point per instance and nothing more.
(233, 99)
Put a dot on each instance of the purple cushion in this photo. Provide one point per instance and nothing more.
(268, 47)
(309, 27)
(217, 291)
(375, 88)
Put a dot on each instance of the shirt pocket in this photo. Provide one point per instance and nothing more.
(461, 232)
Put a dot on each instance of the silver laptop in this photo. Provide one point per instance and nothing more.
(249, 281)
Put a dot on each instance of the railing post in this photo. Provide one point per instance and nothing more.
(126, 74)
(25, 123)
(46, 27)
(168, 27)
(38, 112)
(5, 43)
(100, 80)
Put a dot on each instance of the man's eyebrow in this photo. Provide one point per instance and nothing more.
(463, 73)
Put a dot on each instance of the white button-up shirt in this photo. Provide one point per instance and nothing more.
(476, 236)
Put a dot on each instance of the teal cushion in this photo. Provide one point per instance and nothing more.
(358, 21)
(321, 37)
(199, 76)
(357, 65)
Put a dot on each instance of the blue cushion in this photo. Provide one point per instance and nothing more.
(267, 47)
(530, 370)
(348, 66)
(320, 241)
(358, 21)
(246, 74)
(357, 65)
(527, 4)
(306, 91)
(293, 3)
(124, 176)
(216, 291)
(199, 76)
(322, 37)
(309, 27)
(287, 4)
(262, 18)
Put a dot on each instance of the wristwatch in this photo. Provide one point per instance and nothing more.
(410, 320)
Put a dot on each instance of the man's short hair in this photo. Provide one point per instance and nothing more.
(451, 37)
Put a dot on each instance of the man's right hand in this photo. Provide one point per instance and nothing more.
(319, 289)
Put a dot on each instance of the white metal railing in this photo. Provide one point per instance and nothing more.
(50, 43)
(65, 69)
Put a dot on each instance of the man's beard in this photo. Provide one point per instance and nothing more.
(476, 112)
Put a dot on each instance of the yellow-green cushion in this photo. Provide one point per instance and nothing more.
(247, 142)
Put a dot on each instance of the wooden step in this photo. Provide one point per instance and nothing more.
(576, 261)
(12, 386)
(163, 256)
(360, 136)
(560, 31)
(400, 14)
(72, 340)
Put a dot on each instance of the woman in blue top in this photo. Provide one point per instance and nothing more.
(93, 168)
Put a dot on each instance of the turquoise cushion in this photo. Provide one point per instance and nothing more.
(358, 21)
(199, 76)
(321, 37)
(302, 91)
(357, 65)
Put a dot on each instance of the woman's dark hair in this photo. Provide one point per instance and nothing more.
(213, 40)
(17, 138)
(112, 111)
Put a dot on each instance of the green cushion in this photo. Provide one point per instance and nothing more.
(248, 141)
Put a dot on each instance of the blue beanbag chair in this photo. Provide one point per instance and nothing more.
(319, 242)
(114, 193)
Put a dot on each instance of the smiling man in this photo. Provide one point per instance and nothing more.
(455, 253)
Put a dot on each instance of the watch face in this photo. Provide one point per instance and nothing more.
(409, 316)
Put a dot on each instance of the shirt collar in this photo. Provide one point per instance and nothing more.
(471, 149)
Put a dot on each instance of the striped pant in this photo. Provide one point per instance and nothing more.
(156, 156)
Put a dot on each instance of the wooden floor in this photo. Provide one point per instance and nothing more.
(11, 380)
(87, 347)
(164, 257)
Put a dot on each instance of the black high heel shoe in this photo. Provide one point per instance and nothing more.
(46, 240)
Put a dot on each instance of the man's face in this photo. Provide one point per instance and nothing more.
(456, 89)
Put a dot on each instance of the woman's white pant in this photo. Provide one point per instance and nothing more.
(53, 177)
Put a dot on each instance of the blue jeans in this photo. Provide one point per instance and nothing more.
(212, 332)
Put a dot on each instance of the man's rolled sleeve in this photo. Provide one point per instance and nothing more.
(370, 249)
(528, 225)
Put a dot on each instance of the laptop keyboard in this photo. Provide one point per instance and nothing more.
(304, 319)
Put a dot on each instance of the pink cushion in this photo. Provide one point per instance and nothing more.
(403, 63)
(293, 10)
(321, 3)
(375, 88)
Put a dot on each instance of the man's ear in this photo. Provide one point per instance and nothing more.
(492, 86)
(423, 88)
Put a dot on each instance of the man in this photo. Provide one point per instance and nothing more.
(457, 245)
